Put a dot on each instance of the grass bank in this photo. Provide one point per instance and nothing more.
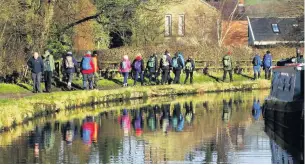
(15, 112)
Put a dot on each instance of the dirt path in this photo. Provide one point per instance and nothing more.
(15, 95)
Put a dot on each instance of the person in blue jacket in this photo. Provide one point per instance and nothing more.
(256, 109)
(267, 63)
(36, 65)
(257, 66)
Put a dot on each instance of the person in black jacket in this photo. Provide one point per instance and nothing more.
(189, 68)
(177, 65)
(152, 65)
(35, 63)
(165, 64)
(138, 69)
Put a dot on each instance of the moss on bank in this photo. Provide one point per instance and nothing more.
(16, 111)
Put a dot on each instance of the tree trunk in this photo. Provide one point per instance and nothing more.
(49, 13)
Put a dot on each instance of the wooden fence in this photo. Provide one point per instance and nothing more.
(110, 68)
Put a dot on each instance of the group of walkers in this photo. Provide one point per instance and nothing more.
(154, 68)
(89, 68)
(38, 65)
(46, 65)
(266, 63)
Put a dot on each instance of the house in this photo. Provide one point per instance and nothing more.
(185, 22)
(272, 31)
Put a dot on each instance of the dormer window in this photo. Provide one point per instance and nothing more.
(275, 28)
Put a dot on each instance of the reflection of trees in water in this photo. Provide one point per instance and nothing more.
(108, 147)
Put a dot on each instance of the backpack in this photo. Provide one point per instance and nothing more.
(180, 55)
(137, 65)
(137, 123)
(47, 64)
(151, 62)
(188, 65)
(123, 65)
(256, 61)
(151, 124)
(124, 122)
(86, 136)
(180, 125)
(86, 63)
(175, 122)
(175, 62)
(227, 61)
(188, 117)
(165, 61)
(69, 62)
(267, 60)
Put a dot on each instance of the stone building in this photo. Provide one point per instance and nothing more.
(187, 22)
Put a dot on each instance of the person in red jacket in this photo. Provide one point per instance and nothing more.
(89, 131)
(87, 69)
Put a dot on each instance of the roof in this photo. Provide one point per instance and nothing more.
(226, 7)
(290, 29)
(209, 5)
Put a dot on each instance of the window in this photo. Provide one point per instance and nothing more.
(275, 28)
(168, 25)
(181, 25)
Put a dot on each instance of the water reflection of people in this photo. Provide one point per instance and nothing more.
(138, 122)
(189, 113)
(41, 138)
(152, 118)
(177, 119)
(69, 132)
(256, 109)
(206, 105)
(124, 120)
(35, 140)
(89, 130)
(48, 137)
(164, 122)
(227, 110)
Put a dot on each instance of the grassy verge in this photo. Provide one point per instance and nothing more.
(15, 112)
(12, 89)
(115, 83)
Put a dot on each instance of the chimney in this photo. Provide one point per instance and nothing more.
(241, 7)
(241, 2)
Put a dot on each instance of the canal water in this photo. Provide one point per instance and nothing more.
(210, 128)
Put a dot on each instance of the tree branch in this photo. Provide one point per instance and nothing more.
(81, 21)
